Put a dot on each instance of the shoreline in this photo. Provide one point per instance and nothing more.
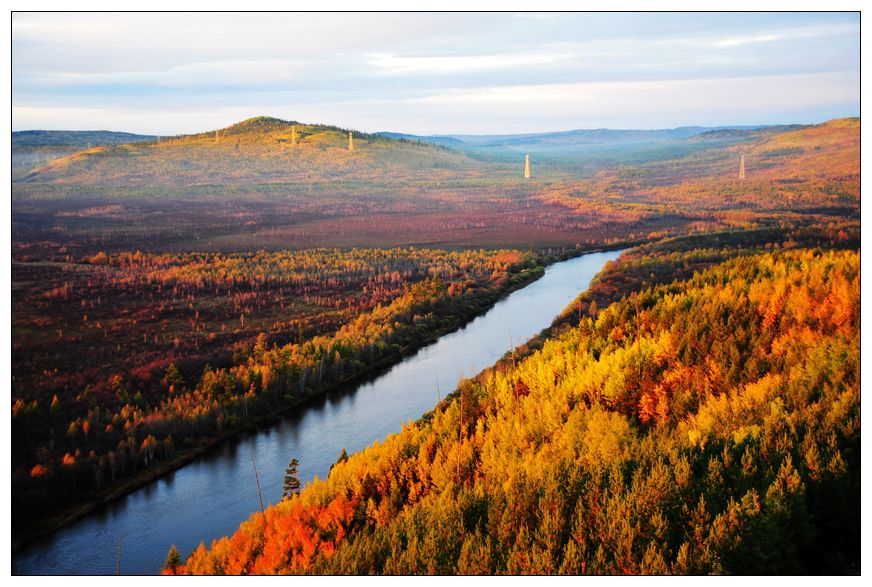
(160, 469)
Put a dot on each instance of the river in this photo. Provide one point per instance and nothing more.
(209, 497)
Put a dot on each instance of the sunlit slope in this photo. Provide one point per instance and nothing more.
(789, 174)
(829, 150)
(258, 150)
(32, 149)
(708, 426)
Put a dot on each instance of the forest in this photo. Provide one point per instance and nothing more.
(211, 344)
(618, 447)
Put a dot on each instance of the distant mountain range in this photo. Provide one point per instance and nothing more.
(32, 139)
(596, 136)
(602, 144)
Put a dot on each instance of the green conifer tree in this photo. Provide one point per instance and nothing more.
(174, 559)
(292, 479)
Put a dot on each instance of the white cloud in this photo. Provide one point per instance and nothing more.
(642, 104)
(124, 42)
(395, 64)
(516, 94)
(211, 73)
(791, 34)
(736, 41)
(428, 72)
(804, 89)
(514, 109)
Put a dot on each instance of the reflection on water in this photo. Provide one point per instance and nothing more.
(211, 496)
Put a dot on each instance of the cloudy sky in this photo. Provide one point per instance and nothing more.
(432, 73)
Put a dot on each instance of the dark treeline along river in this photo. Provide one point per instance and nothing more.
(209, 497)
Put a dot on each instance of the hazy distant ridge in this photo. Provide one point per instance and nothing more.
(595, 136)
(25, 139)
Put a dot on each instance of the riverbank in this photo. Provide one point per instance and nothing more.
(185, 455)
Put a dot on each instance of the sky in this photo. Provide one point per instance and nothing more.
(432, 73)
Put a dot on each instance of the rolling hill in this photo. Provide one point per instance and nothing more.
(260, 150)
(597, 136)
(35, 148)
(600, 145)
(35, 139)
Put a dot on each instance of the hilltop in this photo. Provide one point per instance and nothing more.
(258, 150)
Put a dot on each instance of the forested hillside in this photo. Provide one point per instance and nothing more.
(704, 426)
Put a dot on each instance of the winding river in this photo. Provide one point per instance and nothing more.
(209, 497)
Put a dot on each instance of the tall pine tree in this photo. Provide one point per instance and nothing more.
(292, 479)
